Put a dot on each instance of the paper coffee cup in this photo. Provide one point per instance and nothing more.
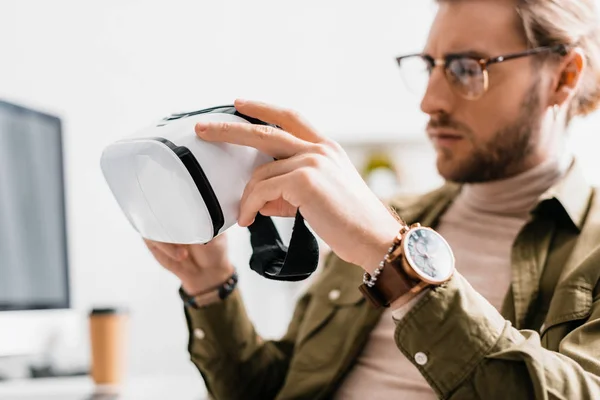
(108, 337)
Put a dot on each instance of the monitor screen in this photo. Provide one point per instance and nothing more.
(33, 240)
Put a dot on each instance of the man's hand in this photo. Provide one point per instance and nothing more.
(312, 174)
(198, 266)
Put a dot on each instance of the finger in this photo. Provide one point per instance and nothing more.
(284, 166)
(174, 251)
(164, 260)
(267, 139)
(277, 168)
(274, 189)
(278, 208)
(287, 119)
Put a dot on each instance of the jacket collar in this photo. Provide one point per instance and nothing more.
(572, 194)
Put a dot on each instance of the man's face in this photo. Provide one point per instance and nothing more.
(497, 135)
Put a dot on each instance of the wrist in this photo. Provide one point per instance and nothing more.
(379, 249)
(196, 283)
(428, 261)
(211, 295)
(408, 300)
(401, 306)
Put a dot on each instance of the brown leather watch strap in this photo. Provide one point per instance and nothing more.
(391, 284)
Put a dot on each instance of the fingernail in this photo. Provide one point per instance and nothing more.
(201, 127)
(244, 223)
(240, 102)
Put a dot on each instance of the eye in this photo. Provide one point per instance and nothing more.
(465, 67)
(430, 64)
(467, 76)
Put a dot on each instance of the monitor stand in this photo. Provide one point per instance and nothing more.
(28, 337)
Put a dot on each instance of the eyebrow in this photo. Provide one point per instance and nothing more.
(467, 53)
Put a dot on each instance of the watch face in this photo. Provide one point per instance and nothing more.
(429, 255)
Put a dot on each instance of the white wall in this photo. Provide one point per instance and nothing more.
(108, 67)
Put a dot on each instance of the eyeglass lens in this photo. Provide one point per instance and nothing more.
(465, 75)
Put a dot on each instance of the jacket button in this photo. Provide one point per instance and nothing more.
(421, 358)
(199, 334)
(334, 295)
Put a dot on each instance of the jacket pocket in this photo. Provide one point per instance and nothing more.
(570, 306)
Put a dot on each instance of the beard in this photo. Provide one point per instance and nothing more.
(504, 155)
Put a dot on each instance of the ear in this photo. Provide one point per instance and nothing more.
(568, 75)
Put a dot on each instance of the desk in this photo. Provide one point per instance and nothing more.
(82, 388)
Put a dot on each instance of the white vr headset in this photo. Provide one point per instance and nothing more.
(174, 187)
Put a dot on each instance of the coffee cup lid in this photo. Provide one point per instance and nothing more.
(108, 311)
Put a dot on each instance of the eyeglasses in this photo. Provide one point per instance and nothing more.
(467, 74)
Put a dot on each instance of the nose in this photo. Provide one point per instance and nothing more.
(438, 97)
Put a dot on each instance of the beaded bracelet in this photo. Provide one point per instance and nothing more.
(369, 279)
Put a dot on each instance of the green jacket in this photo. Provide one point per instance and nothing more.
(545, 342)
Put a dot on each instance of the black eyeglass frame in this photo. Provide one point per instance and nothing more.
(561, 49)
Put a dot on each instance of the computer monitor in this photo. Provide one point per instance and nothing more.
(34, 273)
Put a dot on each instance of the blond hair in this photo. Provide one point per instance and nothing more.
(573, 23)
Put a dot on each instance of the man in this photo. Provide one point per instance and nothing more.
(521, 316)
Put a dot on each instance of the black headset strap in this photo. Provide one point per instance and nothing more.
(270, 257)
(273, 260)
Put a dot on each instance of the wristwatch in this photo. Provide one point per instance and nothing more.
(419, 257)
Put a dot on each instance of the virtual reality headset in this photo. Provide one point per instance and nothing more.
(174, 187)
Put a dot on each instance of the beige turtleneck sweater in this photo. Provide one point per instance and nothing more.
(480, 226)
